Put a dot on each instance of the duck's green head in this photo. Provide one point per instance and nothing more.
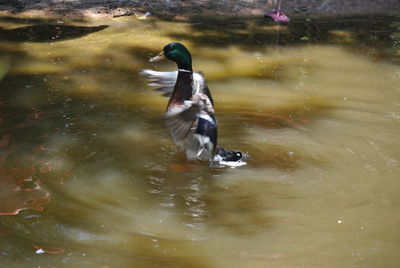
(178, 53)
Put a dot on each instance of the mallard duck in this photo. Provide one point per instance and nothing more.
(190, 116)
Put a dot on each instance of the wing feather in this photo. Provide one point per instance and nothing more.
(165, 81)
(180, 124)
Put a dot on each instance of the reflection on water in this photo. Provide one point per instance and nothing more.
(86, 157)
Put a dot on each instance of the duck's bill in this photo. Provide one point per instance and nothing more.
(160, 56)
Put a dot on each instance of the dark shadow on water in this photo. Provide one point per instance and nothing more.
(47, 32)
(253, 31)
(353, 32)
(27, 20)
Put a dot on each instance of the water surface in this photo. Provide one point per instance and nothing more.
(91, 178)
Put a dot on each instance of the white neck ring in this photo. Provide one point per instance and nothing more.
(184, 70)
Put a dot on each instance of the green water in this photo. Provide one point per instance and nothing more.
(84, 149)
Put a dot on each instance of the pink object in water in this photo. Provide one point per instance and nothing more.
(277, 15)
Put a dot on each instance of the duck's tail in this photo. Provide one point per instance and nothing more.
(225, 157)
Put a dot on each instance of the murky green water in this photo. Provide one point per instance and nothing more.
(316, 104)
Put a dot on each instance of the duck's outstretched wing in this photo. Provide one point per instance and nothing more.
(199, 83)
(195, 127)
(165, 81)
(181, 124)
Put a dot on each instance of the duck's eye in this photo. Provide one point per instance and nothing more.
(239, 154)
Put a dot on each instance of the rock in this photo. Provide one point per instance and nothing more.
(304, 8)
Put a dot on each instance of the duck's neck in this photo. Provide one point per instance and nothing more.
(185, 64)
(183, 87)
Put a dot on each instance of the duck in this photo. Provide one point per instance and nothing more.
(190, 114)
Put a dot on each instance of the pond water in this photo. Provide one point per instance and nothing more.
(90, 177)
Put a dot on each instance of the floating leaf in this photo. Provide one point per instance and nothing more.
(40, 249)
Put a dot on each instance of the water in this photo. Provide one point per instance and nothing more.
(83, 147)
